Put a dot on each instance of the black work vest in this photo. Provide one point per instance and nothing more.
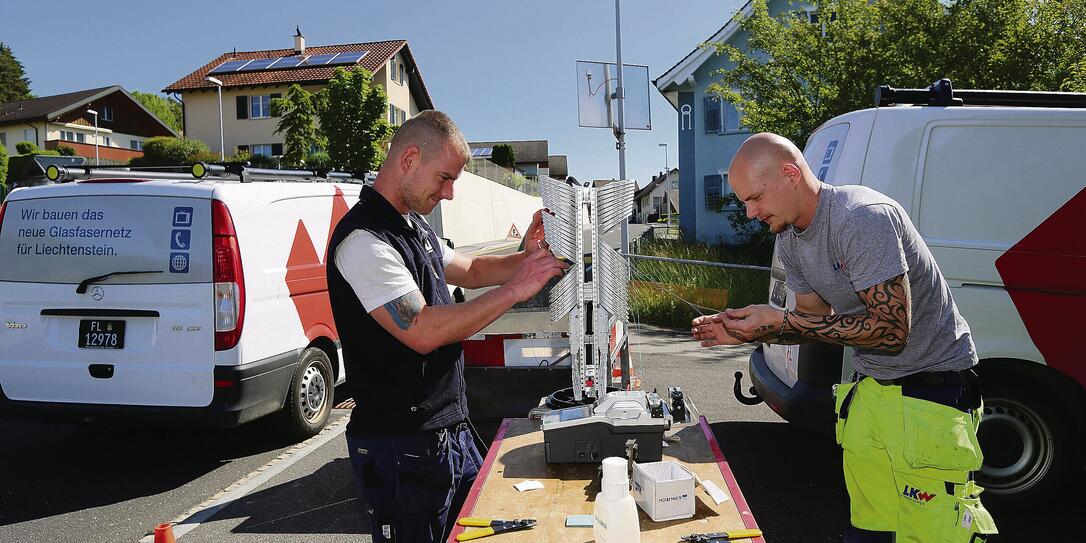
(396, 390)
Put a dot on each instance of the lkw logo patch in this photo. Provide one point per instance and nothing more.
(917, 495)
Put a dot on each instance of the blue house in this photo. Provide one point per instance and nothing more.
(709, 130)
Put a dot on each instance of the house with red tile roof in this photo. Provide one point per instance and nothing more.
(108, 116)
(251, 79)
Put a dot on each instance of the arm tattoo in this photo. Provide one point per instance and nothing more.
(885, 326)
(405, 309)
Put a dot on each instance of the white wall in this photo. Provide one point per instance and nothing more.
(482, 210)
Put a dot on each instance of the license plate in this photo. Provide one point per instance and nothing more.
(101, 334)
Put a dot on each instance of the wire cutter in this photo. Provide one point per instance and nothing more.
(492, 526)
(721, 537)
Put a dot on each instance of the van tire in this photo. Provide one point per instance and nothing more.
(310, 396)
(1027, 435)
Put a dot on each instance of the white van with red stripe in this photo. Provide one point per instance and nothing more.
(997, 188)
(171, 296)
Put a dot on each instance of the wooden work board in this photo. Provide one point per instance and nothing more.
(517, 455)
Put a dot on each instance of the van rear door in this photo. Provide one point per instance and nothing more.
(107, 298)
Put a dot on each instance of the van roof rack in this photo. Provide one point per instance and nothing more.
(200, 171)
(942, 93)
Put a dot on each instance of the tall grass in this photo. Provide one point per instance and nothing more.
(659, 303)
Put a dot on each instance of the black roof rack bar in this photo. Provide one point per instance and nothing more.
(942, 93)
(241, 171)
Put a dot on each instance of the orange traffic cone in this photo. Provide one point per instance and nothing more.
(164, 533)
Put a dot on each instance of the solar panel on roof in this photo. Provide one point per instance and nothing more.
(482, 152)
(287, 62)
(259, 64)
(231, 66)
(318, 60)
(349, 58)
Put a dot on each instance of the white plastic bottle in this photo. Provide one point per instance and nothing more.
(615, 512)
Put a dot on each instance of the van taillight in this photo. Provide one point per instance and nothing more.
(3, 206)
(228, 277)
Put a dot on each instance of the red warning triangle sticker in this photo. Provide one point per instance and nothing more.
(513, 232)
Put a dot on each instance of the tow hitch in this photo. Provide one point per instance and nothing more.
(753, 399)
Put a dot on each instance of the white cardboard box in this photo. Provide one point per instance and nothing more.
(664, 490)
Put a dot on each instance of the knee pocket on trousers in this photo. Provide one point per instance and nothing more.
(424, 483)
(937, 436)
(967, 522)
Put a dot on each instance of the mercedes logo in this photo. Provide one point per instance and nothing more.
(98, 293)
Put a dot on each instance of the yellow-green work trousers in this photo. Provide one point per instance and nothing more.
(907, 465)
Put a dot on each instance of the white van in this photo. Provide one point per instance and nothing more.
(194, 296)
(997, 192)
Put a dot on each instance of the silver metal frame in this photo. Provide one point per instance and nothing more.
(601, 209)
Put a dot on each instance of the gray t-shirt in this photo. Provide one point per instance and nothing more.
(858, 239)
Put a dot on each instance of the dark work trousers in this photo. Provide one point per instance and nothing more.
(412, 483)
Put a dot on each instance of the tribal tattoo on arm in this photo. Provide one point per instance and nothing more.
(885, 327)
(405, 309)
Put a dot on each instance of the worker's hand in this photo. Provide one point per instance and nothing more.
(710, 331)
(534, 272)
(535, 238)
(754, 322)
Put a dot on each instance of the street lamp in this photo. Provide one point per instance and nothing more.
(95, 113)
(222, 144)
(667, 186)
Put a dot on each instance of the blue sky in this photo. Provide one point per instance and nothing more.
(501, 69)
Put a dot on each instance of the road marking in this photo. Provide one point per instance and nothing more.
(192, 519)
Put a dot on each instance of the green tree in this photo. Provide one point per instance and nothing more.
(503, 155)
(795, 75)
(13, 82)
(352, 113)
(166, 109)
(66, 150)
(296, 113)
(3, 172)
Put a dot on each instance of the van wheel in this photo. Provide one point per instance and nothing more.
(309, 400)
(1029, 448)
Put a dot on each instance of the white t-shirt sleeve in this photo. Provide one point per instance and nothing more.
(374, 269)
(447, 255)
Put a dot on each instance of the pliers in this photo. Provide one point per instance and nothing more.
(721, 537)
(492, 526)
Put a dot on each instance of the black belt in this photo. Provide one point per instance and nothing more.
(957, 389)
(932, 379)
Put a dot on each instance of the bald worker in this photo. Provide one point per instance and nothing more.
(864, 278)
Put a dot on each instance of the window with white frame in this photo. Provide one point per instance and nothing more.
(68, 135)
(3, 138)
(107, 113)
(396, 116)
(657, 202)
(714, 191)
(29, 135)
(263, 149)
(135, 145)
(721, 116)
(401, 73)
(816, 18)
(260, 106)
(392, 68)
(108, 143)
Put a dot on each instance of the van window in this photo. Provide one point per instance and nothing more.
(68, 240)
(974, 176)
(823, 150)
